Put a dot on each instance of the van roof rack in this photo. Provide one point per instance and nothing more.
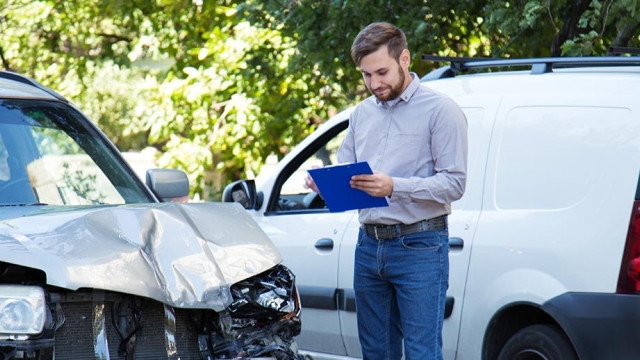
(538, 65)
(617, 50)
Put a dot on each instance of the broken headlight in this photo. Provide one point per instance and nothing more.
(21, 310)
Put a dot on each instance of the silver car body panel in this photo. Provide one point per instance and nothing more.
(183, 255)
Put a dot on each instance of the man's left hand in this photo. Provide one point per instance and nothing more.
(378, 184)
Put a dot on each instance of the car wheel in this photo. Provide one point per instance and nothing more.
(538, 342)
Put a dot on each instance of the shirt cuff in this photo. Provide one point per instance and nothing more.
(401, 188)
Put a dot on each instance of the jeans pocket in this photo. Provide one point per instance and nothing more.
(423, 241)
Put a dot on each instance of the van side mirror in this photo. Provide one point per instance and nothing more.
(243, 192)
(169, 185)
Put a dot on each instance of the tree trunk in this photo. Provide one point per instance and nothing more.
(625, 34)
(570, 28)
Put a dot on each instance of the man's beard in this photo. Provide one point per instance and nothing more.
(396, 90)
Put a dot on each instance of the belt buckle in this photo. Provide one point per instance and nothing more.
(382, 235)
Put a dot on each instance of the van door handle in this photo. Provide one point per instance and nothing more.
(456, 243)
(324, 244)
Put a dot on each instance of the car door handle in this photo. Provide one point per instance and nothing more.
(456, 243)
(324, 244)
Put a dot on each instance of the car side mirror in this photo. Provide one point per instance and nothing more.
(243, 192)
(169, 185)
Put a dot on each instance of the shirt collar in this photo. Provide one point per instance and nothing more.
(406, 94)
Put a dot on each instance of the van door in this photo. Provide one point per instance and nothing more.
(480, 112)
(309, 245)
(550, 199)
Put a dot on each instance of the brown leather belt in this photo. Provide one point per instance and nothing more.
(386, 232)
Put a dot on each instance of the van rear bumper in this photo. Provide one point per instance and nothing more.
(600, 326)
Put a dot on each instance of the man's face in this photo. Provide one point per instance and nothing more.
(384, 77)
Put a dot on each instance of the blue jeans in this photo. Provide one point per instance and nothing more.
(400, 287)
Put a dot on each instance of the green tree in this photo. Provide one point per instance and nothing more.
(244, 100)
(325, 29)
(563, 27)
(481, 28)
(81, 49)
(219, 85)
(215, 94)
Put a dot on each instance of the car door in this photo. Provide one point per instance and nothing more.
(308, 236)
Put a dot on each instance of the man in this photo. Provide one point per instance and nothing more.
(415, 139)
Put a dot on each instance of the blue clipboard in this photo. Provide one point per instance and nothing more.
(333, 183)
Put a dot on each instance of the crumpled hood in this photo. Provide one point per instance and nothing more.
(184, 255)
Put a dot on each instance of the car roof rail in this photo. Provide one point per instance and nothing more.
(538, 65)
(10, 75)
(618, 50)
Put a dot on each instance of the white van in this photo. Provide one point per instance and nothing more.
(545, 243)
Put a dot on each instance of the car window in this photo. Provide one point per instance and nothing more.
(293, 195)
(48, 155)
(326, 155)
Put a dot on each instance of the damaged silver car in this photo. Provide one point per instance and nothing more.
(94, 264)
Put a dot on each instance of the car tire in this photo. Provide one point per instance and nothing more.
(538, 342)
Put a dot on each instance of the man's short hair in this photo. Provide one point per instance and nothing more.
(376, 35)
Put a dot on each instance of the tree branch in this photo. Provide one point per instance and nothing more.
(5, 63)
(606, 16)
(570, 27)
(115, 37)
(551, 16)
(625, 34)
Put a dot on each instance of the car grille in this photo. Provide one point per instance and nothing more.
(160, 337)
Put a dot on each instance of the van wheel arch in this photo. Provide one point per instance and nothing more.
(511, 319)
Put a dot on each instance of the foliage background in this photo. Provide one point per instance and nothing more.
(218, 85)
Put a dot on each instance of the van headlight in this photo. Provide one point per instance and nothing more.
(21, 309)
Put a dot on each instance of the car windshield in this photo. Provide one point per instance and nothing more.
(48, 155)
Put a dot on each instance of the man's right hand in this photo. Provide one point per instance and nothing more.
(310, 184)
